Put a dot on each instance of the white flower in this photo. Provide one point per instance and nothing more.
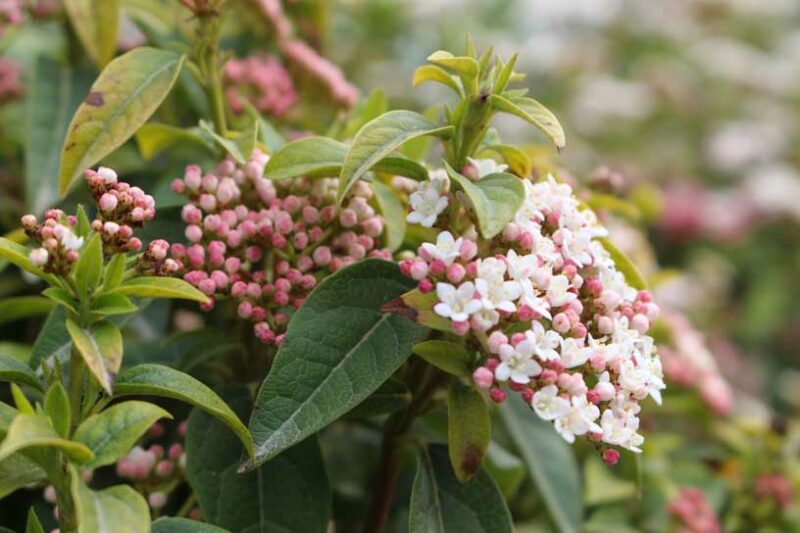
(485, 319)
(521, 267)
(427, 202)
(578, 420)
(620, 430)
(544, 342)
(456, 304)
(548, 404)
(534, 299)
(573, 353)
(487, 166)
(69, 240)
(516, 362)
(558, 291)
(108, 175)
(495, 291)
(446, 248)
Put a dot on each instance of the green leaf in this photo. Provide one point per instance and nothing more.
(435, 74)
(20, 400)
(16, 472)
(113, 432)
(420, 306)
(82, 224)
(381, 136)
(451, 357)
(246, 139)
(113, 304)
(33, 525)
(506, 468)
(399, 165)
(89, 268)
(466, 67)
(118, 509)
(288, 493)
(533, 112)
(469, 430)
(56, 406)
(115, 269)
(23, 307)
(495, 199)
(96, 24)
(14, 370)
(389, 398)
(7, 414)
(440, 503)
(505, 75)
(34, 431)
(16, 254)
(339, 349)
(154, 137)
(624, 265)
(618, 206)
(518, 161)
(54, 92)
(53, 339)
(550, 462)
(159, 287)
(160, 380)
(183, 525)
(127, 92)
(101, 349)
(394, 215)
(229, 145)
(310, 157)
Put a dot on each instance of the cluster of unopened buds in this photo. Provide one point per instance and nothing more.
(688, 362)
(545, 304)
(693, 512)
(60, 245)
(155, 466)
(263, 81)
(266, 244)
(775, 487)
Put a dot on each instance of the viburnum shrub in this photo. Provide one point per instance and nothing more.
(365, 297)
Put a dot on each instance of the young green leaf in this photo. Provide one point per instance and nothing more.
(101, 349)
(56, 407)
(440, 503)
(310, 157)
(53, 93)
(23, 307)
(117, 509)
(246, 139)
(113, 432)
(14, 370)
(159, 287)
(448, 356)
(229, 145)
(624, 265)
(533, 112)
(33, 525)
(17, 472)
(16, 254)
(175, 524)
(339, 348)
(550, 463)
(21, 401)
(469, 430)
(89, 268)
(518, 161)
(154, 137)
(82, 225)
(393, 214)
(96, 24)
(288, 493)
(127, 92)
(435, 74)
(420, 309)
(381, 136)
(495, 199)
(113, 304)
(466, 67)
(114, 272)
(398, 165)
(34, 431)
(160, 380)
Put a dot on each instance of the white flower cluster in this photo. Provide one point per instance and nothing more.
(578, 352)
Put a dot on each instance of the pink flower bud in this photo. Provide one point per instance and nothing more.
(193, 233)
(640, 323)
(497, 395)
(460, 328)
(111, 228)
(605, 325)
(38, 257)
(348, 218)
(468, 250)
(108, 202)
(611, 456)
(373, 227)
(496, 340)
(456, 273)
(157, 500)
(164, 468)
(108, 175)
(437, 267)
(425, 286)
(322, 256)
(483, 377)
(561, 323)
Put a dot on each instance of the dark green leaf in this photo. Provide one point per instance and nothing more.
(33, 525)
(17, 472)
(23, 307)
(14, 370)
(469, 430)
(339, 348)
(183, 525)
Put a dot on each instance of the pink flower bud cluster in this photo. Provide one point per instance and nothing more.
(266, 244)
(775, 487)
(263, 81)
(11, 14)
(306, 58)
(688, 362)
(59, 245)
(557, 322)
(121, 208)
(694, 514)
(11, 87)
(155, 466)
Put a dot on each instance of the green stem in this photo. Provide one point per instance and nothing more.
(395, 436)
(76, 379)
(472, 128)
(67, 512)
(207, 58)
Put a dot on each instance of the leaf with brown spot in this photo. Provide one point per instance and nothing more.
(125, 95)
(469, 430)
